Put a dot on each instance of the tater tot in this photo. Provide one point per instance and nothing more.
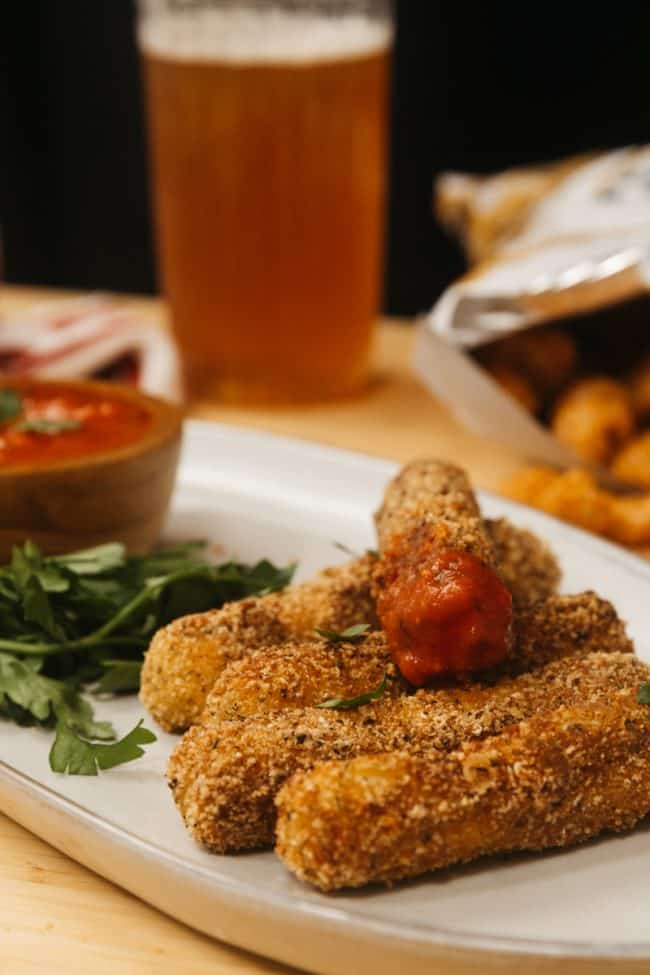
(595, 417)
(528, 484)
(640, 390)
(633, 462)
(576, 497)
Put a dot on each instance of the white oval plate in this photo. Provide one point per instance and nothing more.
(258, 496)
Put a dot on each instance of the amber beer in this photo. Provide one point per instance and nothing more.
(269, 163)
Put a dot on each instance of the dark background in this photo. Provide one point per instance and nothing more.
(478, 86)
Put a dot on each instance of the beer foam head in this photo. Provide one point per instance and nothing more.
(253, 35)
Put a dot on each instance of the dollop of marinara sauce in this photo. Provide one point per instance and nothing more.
(97, 422)
(449, 616)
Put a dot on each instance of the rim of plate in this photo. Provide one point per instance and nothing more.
(324, 914)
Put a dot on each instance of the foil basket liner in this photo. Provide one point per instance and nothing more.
(556, 242)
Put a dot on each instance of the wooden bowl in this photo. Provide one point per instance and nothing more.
(120, 495)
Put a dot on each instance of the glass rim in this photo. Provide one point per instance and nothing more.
(172, 8)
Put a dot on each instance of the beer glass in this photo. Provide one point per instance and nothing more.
(268, 137)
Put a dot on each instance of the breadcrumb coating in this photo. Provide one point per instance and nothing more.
(563, 626)
(305, 673)
(225, 776)
(300, 674)
(526, 564)
(558, 779)
(186, 657)
(433, 496)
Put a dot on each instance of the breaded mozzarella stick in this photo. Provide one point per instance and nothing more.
(560, 778)
(440, 599)
(225, 776)
(306, 672)
(188, 656)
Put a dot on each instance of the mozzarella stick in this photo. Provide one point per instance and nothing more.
(305, 673)
(440, 599)
(300, 674)
(188, 656)
(558, 779)
(526, 564)
(225, 776)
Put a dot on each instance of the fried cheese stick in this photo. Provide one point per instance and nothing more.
(225, 776)
(186, 657)
(440, 599)
(558, 779)
(306, 673)
(302, 673)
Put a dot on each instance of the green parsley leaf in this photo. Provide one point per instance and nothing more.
(120, 677)
(11, 404)
(351, 635)
(84, 620)
(643, 694)
(37, 608)
(92, 561)
(351, 703)
(48, 428)
(45, 699)
(342, 547)
(76, 756)
(259, 579)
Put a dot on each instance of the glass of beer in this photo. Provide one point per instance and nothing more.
(268, 131)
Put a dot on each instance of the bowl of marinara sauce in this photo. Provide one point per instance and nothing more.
(83, 463)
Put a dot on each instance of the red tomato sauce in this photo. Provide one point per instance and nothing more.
(101, 423)
(445, 616)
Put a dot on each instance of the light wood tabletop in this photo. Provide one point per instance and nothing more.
(58, 917)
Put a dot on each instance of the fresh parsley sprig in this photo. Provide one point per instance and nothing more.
(351, 635)
(643, 694)
(82, 621)
(351, 703)
(72, 754)
(47, 427)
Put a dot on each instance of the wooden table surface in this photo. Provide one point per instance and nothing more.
(58, 917)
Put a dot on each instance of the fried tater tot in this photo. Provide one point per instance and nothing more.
(440, 600)
(225, 776)
(576, 497)
(632, 464)
(186, 657)
(595, 417)
(558, 779)
(517, 385)
(547, 357)
(303, 674)
(528, 484)
(640, 390)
